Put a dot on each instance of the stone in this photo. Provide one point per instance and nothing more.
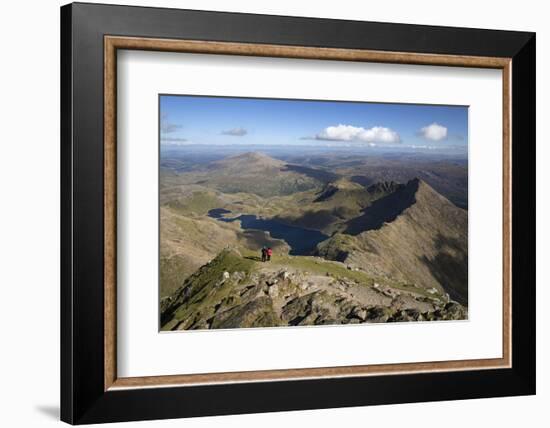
(377, 314)
(360, 313)
(273, 291)
(388, 293)
(284, 275)
(238, 276)
(455, 311)
(413, 314)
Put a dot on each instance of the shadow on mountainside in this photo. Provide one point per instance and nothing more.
(362, 180)
(317, 174)
(384, 210)
(316, 220)
(450, 268)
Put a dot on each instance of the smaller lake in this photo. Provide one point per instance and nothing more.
(218, 212)
(301, 241)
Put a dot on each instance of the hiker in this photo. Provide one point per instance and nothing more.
(269, 252)
(264, 254)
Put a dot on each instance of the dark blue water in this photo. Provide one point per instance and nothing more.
(301, 241)
(218, 212)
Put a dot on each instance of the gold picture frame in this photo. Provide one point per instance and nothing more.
(114, 43)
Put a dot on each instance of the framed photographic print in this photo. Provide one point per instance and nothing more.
(265, 213)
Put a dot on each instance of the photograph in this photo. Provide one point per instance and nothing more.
(262, 212)
(292, 212)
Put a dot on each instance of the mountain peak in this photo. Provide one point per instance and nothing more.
(424, 191)
(257, 173)
(246, 162)
(383, 187)
(334, 188)
(256, 157)
(398, 198)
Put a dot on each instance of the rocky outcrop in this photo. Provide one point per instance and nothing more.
(383, 187)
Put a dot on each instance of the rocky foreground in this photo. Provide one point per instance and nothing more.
(237, 291)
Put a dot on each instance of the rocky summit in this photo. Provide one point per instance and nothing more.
(236, 291)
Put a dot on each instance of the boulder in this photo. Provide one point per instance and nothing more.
(256, 313)
(273, 291)
(455, 311)
(359, 313)
(238, 276)
(378, 314)
(284, 275)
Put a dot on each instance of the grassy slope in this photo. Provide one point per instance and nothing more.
(187, 243)
(205, 290)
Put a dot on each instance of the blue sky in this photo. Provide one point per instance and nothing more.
(220, 120)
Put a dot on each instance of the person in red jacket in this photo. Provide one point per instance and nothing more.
(269, 253)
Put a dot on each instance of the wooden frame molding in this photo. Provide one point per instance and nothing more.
(113, 43)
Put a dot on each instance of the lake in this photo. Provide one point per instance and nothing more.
(301, 241)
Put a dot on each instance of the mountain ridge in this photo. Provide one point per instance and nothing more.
(420, 240)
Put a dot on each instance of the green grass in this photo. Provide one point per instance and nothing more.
(322, 267)
(198, 203)
(418, 290)
(208, 276)
(316, 266)
(173, 271)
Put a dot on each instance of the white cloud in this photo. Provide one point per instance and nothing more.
(173, 141)
(433, 132)
(167, 127)
(376, 134)
(235, 132)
